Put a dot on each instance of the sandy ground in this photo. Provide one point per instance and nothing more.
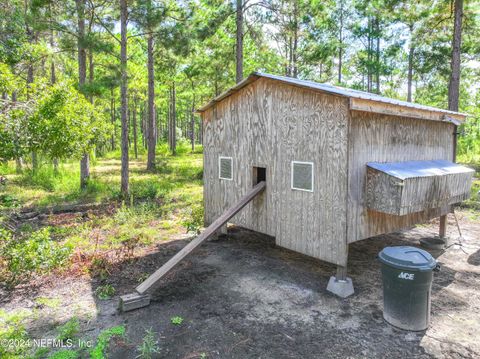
(243, 297)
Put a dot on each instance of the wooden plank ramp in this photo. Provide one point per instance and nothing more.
(141, 296)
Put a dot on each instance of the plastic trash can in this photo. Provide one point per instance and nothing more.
(407, 274)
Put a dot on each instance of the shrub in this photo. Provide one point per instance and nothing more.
(34, 252)
(11, 330)
(69, 329)
(193, 219)
(105, 292)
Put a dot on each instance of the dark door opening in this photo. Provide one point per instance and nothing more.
(259, 175)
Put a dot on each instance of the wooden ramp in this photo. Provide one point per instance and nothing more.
(141, 298)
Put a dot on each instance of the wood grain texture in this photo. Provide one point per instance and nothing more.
(373, 106)
(270, 124)
(383, 138)
(392, 195)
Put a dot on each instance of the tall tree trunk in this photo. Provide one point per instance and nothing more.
(239, 43)
(169, 118)
(18, 159)
(411, 52)
(370, 55)
(340, 43)
(151, 98)
(82, 75)
(29, 85)
(53, 80)
(174, 120)
(454, 85)
(377, 58)
(134, 113)
(53, 76)
(112, 109)
(124, 99)
(30, 78)
(91, 74)
(295, 40)
(192, 125)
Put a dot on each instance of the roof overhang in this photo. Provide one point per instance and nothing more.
(359, 100)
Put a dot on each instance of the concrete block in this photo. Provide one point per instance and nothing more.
(342, 288)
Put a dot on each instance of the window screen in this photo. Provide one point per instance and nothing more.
(225, 168)
(302, 176)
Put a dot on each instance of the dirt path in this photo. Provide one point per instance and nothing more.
(243, 297)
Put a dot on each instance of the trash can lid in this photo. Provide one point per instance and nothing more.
(409, 258)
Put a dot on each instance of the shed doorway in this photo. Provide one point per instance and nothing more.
(259, 175)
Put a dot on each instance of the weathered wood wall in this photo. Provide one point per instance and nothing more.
(383, 138)
(389, 194)
(269, 124)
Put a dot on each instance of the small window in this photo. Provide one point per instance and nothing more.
(225, 168)
(302, 176)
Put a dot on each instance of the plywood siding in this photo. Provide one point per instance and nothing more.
(383, 138)
(388, 194)
(270, 124)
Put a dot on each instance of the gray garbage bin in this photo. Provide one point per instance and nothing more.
(407, 282)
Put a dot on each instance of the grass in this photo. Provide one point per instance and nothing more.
(33, 252)
(45, 188)
(69, 330)
(105, 292)
(149, 346)
(162, 204)
(176, 320)
(12, 330)
(98, 352)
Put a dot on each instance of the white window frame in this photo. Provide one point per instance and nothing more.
(220, 158)
(313, 176)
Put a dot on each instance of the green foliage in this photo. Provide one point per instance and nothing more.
(12, 329)
(193, 218)
(69, 330)
(149, 345)
(8, 201)
(65, 354)
(105, 292)
(65, 124)
(98, 352)
(30, 253)
(176, 320)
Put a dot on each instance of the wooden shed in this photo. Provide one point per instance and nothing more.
(340, 165)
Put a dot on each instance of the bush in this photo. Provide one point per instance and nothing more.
(105, 292)
(11, 330)
(34, 252)
(69, 330)
(193, 219)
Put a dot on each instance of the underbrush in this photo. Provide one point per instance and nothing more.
(26, 254)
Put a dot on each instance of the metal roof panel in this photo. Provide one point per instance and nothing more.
(413, 169)
(341, 91)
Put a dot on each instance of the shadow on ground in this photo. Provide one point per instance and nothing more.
(243, 297)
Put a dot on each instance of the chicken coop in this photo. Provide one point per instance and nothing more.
(340, 165)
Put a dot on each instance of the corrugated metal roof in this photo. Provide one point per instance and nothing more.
(341, 91)
(413, 169)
